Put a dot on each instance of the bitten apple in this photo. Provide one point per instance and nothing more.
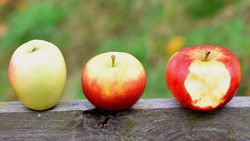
(203, 78)
(37, 73)
(113, 81)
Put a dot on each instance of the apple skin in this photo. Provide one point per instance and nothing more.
(113, 88)
(177, 70)
(37, 74)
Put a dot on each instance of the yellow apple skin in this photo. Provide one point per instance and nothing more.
(37, 74)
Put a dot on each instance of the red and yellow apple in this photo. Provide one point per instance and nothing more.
(203, 78)
(113, 81)
(37, 73)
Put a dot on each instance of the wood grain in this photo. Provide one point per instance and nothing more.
(148, 120)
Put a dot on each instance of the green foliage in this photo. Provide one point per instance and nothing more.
(156, 86)
(131, 45)
(230, 34)
(198, 9)
(38, 21)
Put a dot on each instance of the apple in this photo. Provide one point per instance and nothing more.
(203, 78)
(37, 74)
(113, 81)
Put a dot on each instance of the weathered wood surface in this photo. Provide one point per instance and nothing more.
(148, 120)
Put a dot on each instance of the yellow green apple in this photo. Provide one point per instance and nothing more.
(37, 74)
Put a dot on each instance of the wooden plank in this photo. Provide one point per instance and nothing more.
(148, 120)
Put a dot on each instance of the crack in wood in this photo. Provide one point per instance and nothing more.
(102, 118)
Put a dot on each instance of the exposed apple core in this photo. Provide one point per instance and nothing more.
(207, 82)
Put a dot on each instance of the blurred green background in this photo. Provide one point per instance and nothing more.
(151, 30)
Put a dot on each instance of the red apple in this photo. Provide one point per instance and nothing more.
(113, 81)
(203, 78)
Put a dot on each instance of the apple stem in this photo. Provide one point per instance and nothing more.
(34, 49)
(207, 54)
(113, 60)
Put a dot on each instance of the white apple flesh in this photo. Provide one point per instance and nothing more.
(37, 73)
(205, 78)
